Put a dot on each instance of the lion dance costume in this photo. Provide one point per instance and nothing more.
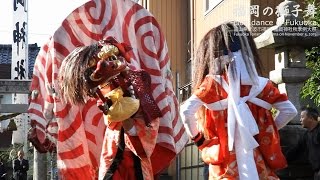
(125, 76)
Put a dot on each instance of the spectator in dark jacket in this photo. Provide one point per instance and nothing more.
(310, 141)
(20, 167)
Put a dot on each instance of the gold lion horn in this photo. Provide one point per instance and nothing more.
(108, 51)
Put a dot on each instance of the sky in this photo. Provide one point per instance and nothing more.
(44, 17)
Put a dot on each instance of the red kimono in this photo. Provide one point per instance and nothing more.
(213, 94)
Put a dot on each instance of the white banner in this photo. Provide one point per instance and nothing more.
(19, 67)
(19, 63)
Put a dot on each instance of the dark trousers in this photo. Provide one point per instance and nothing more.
(206, 171)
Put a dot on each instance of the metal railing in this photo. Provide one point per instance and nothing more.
(184, 92)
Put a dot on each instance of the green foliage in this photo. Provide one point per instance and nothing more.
(316, 17)
(311, 88)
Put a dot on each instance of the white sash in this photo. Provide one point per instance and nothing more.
(242, 126)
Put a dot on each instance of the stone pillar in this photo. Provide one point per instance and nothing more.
(290, 73)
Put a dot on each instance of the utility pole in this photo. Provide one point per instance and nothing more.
(39, 165)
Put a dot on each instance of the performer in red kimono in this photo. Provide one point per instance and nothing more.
(229, 113)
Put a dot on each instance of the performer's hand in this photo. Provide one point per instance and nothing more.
(208, 143)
